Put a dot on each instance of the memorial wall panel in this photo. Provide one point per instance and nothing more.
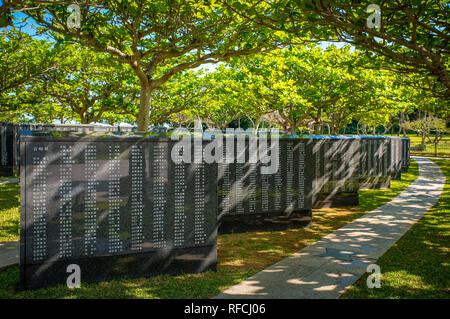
(115, 206)
(375, 162)
(405, 153)
(250, 200)
(336, 170)
(396, 157)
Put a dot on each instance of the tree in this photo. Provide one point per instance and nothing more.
(304, 86)
(425, 126)
(22, 58)
(5, 12)
(413, 35)
(149, 35)
(182, 92)
(88, 83)
(214, 98)
(44, 109)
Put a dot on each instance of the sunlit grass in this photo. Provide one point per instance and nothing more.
(9, 211)
(443, 149)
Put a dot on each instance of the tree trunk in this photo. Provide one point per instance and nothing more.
(251, 121)
(335, 130)
(144, 108)
(419, 117)
(402, 120)
(331, 128)
(317, 129)
(440, 70)
(345, 128)
(293, 129)
(84, 119)
(436, 141)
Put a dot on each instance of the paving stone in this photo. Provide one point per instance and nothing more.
(9, 253)
(9, 180)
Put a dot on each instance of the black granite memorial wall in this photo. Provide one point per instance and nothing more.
(396, 157)
(250, 200)
(405, 154)
(336, 170)
(116, 206)
(9, 149)
(375, 162)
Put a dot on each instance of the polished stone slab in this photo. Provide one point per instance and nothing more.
(375, 162)
(336, 170)
(117, 206)
(250, 200)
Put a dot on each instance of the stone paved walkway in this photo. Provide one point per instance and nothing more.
(428, 157)
(329, 266)
(9, 253)
(9, 180)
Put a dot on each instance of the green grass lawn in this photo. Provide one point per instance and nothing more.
(443, 146)
(9, 211)
(418, 265)
(239, 256)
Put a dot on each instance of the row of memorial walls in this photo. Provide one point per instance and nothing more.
(115, 206)
(336, 170)
(250, 200)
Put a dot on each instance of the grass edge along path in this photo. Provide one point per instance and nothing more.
(239, 257)
(9, 211)
(418, 265)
